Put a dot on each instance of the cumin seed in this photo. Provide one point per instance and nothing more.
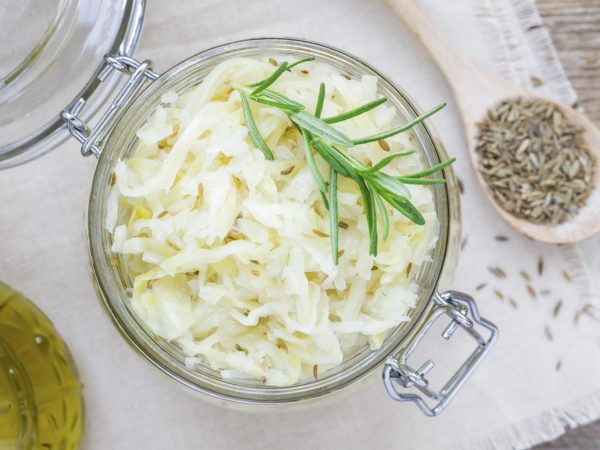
(320, 233)
(525, 275)
(566, 276)
(340, 253)
(548, 333)
(480, 286)
(304, 72)
(497, 272)
(343, 225)
(408, 268)
(558, 364)
(287, 171)
(346, 76)
(540, 265)
(253, 261)
(556, 309)
(499, 294)
(531, 291)
(315, 370)
(501, 238)
(384, 145)
(461, 187)
(545, 292)
(273, 62)
(512, 302)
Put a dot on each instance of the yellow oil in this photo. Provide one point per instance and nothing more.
(40, 393)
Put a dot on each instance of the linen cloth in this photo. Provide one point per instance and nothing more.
(544, 373)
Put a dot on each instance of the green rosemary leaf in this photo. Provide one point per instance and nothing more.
(324, 198)
(319, 128)
(276, 96)
(312, 163)
(300, 61)
(384, 216)
(320, 100)
(388, 159)
(369, 206)
(333, 158)
(405, 207)
(253, 129)
(388, 183)
(262, 85)
(333, 214)
(427, 181)
(431, 170)
(393, 132)
(356, 112)
(276, 104)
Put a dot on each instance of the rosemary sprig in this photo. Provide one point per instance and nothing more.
(376, 187)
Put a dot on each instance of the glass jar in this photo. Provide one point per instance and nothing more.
(114, 137)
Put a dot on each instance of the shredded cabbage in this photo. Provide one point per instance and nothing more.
(229, 254)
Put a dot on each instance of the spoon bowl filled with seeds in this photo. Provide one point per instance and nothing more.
(535, 157)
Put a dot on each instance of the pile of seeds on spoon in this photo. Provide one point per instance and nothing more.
(536, 163)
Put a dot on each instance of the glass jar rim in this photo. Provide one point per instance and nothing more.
(110, 283)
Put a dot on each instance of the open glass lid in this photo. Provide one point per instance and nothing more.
(51, 55)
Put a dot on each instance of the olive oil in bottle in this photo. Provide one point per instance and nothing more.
(40, 393)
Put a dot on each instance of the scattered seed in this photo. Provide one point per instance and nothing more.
(548, 333)
(315, 370)
(273, 61)
(557, 308)
(558, 365)
(501, 238)
(461, 187)
(255, 273)
(540, 265)
(480, 286)
(531, 291)
(287, 171)
(499, 294)
(320, 233)
(114, 262)
(384, 145)
(373, 268)
(113, 179)
(346, 76)
(512, 302)
(566, 276)
(162, 214)
(463, 244)
(253, 261)
(343, 225)
(408, 268)
(340, 253)
(536, 81)
(545, 292)
(497, 272)
(304, 72)
(525, 275)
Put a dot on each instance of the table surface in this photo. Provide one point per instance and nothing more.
(575, 29)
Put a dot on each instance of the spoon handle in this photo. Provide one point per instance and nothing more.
(416, 20)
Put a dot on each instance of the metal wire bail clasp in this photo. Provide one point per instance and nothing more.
(464, 314)
(92, 139)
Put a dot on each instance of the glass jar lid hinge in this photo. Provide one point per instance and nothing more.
(92, 138)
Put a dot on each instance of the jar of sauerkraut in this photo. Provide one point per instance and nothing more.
(117, 138)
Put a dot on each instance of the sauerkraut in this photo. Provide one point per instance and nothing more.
(229, 254)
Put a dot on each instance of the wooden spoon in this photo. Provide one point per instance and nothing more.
(476, 91)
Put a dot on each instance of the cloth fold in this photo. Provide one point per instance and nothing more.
(544, 373)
